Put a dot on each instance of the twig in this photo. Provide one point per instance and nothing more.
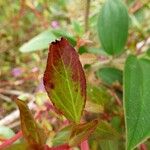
(37, 13)
(116, 97)
(6, 98)
(14, 124)
(87, 11)
(138, 5)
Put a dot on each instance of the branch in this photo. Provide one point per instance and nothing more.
(87, 11)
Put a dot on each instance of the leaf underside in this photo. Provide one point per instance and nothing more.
(137, 100)
(64, 80)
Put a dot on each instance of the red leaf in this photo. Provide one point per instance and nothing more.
(61, 147)
(64, 80)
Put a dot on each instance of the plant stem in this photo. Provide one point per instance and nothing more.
(87, 11)
(143, 147)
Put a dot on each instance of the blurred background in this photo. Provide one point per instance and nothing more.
(26, 29)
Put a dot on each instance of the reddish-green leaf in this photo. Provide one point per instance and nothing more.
(105, 131)
(64, 80)
(31, 131)
(81, 132)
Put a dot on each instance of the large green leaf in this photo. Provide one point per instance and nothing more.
(113, 26)
(41, 41)
(137, 100)
(64, 80)
(33, 134)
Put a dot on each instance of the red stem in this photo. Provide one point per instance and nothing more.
(10, 141)
(84, 145)
(143, 147)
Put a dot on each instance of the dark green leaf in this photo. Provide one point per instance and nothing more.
(137, 100)
(113, 26)
(110, 75)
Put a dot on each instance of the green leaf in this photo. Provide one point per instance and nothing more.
(93, 107)
(64, 33)
(105, 131)
(64, 80)
(98, 95)
(137, 100)
(81, 132)
(33, 134)
(110, 75)
(39, 42)
(77, 28)
(109, 145)
(113, 26)
(62, 137)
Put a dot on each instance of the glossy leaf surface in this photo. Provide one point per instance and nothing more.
(64, 80)
(137, 100)
(113, 26)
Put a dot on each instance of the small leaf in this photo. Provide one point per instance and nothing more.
(110, 75)
(105, 131)
(64, 80)
(81, 132)
(93, 107)
(62, 136)
(137, 100)
(33, 134)
(98, 95)
(39, 42)
(113, 26)
(109, 145)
